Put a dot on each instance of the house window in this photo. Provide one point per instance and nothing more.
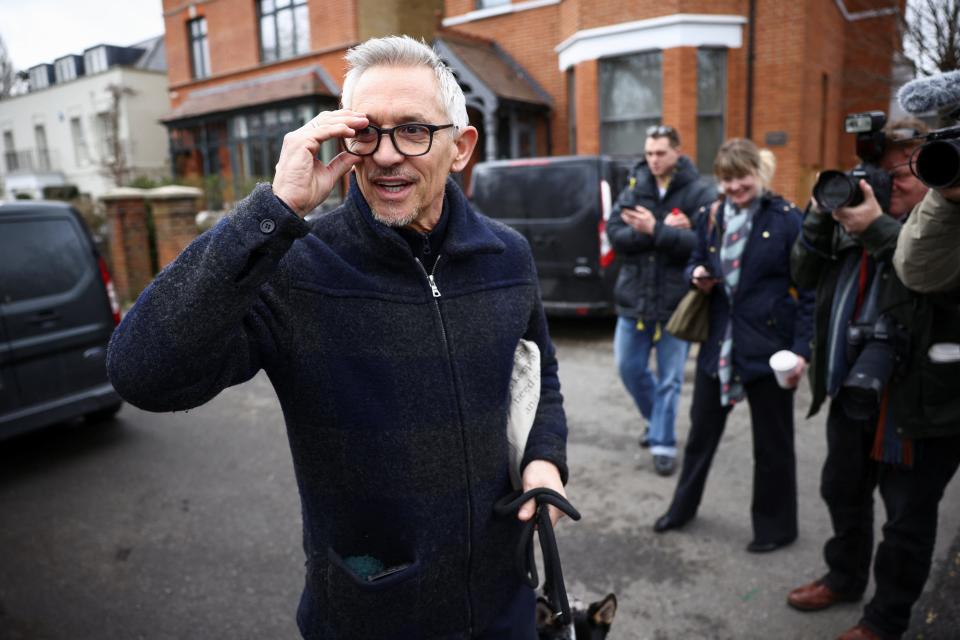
(108, 136)
(43, 151)
(711, 100)
(10, 152)
(95, 60)
(65, 69)
(284, 29)
(199, 48)
(81, 152)
(39, 78)
(486, 4)
(631, 99)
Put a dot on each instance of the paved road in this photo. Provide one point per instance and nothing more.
(187, 525)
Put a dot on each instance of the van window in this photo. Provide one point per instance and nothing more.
(537, 191)
(39, 258)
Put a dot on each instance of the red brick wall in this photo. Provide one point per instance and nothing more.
(529, 37)
(588, 107)
(333, 23)
(232, 33)
(680, 95)
(129, 246)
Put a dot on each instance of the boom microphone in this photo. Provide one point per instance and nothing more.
(929, 94)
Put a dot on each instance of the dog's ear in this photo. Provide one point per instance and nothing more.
(544, 613)
(601, 613)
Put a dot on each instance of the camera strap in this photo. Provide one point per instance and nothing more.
(867, 306)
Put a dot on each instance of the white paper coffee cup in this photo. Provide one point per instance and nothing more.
(783, 363)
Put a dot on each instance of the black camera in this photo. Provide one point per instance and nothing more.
(875, 350)
(835, 189)
(937, 161)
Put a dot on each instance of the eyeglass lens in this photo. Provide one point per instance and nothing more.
(409, 139)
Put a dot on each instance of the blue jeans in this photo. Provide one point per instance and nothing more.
(656, 397)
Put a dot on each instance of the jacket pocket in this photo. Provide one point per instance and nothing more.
(629, 291)
(370, 598)
(938, 391)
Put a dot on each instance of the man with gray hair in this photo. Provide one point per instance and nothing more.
(388, 329)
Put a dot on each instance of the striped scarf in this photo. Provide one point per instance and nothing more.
(736, 232)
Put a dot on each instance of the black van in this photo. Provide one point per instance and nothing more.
(57, 311)
(561, 205)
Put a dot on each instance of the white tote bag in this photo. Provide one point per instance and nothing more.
(524, 398)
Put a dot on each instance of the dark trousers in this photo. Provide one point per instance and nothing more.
(517, 622)
(911, 497)
(774, 507)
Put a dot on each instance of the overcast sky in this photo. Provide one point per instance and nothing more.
(38, 31)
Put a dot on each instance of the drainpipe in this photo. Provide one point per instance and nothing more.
(751, 54)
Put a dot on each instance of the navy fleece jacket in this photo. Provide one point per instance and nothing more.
(394, 394)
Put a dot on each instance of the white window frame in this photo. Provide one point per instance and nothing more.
(95, 60)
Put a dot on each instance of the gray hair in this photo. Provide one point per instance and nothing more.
(404, 51)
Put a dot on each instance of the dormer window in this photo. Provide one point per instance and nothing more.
(65, 69)
(95, 60)
(39, 78)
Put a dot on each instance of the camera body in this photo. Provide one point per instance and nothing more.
(876, 350)
(835, 189)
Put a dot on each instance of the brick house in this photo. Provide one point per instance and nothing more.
(541, 77)
(244, 72)
(781, 73)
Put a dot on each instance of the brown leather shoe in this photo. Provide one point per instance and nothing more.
(816, 596)
(859, 632)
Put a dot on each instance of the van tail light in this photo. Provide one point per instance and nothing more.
(111, 290)
(606, 249)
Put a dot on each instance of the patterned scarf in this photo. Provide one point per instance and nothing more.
(737, 226)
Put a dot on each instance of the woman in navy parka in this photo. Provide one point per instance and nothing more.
(742, 261)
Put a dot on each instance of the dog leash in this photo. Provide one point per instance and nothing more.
(553, 585)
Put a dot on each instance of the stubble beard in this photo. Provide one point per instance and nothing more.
(396, 223)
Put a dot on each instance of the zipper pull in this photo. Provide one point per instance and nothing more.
(433, 286)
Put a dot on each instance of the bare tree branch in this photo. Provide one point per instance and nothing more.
(7, 74)
(115, 163)
(931, 35)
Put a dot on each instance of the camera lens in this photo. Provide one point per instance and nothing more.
(937, 163)
(862, 390)
(835, 189)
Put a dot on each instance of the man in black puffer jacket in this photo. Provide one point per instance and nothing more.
(650, 229)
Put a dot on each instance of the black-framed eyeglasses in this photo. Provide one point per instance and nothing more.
(659, 130)
(411, 139)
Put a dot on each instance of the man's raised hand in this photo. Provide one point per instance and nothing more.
(302, 180)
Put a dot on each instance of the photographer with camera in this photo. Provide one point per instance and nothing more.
(867, 328)
(926, 258)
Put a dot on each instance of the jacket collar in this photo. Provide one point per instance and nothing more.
(684, 174)
(466, 233)
(765, 200)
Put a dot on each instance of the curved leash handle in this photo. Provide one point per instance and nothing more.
(554, 587)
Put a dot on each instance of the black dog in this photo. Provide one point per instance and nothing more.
(589, 623)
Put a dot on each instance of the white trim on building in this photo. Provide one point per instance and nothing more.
(665, 32)
(482, 14)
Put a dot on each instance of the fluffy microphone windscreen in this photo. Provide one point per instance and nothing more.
(929, 94)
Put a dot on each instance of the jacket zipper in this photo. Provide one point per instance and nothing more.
(435, 291)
